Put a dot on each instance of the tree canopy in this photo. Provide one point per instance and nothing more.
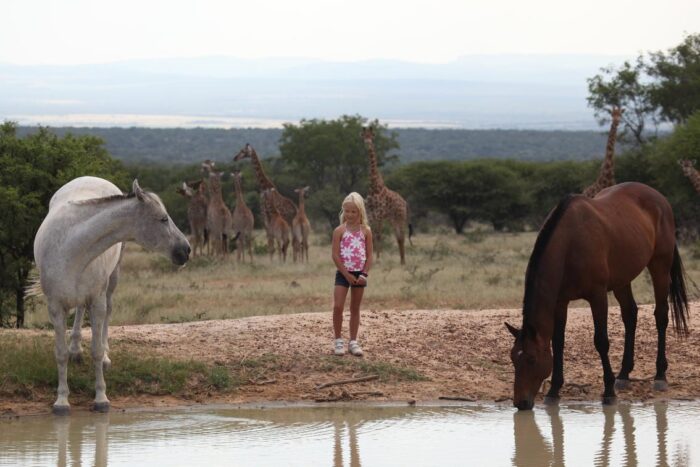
(31, 170)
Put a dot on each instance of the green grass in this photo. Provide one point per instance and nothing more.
(477, 270)
(386, 371)
(28, 368)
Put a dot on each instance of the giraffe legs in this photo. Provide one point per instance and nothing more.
(400, 240)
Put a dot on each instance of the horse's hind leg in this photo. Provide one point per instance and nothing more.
(75, 352)
(552, 396)
(628, 309)
(661, 280)
(599, 307)
(57, 314)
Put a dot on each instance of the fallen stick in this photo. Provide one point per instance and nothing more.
(348, 381)
(263, 382)
(451, 398)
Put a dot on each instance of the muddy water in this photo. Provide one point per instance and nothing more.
(639, 434)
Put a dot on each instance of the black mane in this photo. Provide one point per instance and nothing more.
(550, 224)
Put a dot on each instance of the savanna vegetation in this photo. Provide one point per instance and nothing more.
(508, 196)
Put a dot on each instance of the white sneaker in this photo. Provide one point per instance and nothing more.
(354, 348)
(339, 347)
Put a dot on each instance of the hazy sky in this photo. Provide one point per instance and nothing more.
(94, 31)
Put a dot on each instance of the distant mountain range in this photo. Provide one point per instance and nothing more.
(544, 92)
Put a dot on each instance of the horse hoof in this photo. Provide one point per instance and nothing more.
(550, 400)
(622, 384)
(609, 400)
(76, 358)
(660, 385)
(101, 407)
(61, 410)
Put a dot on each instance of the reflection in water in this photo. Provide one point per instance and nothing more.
(349, 436)
(352, 440)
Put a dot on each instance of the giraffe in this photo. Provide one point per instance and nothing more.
(606, 176)
(691, 172)
(284, 205)
(383, 203)
(242, 221)
(279, 227)
(301, 228)
(196, 213)
(218, 214)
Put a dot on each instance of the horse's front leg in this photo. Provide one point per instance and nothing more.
(560, 315)
(599, 307)
(57, 314)
(113, 280)
(98, 312)
(628, 308)
(75, 352)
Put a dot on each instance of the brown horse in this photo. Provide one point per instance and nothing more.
(585, 248)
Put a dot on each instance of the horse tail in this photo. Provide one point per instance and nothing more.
(678, 296)
(410, 226)
(33, 288)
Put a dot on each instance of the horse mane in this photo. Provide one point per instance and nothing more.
(550, 224)
(105, 199)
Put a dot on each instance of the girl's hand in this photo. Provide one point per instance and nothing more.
(362, 280)
(351, 279)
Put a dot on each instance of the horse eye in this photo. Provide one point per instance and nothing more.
(164, 219)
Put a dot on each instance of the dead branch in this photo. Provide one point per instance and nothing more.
(348, 381)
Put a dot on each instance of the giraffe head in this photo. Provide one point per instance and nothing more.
(302, 191)
(368, 135)
(207, 166)
(185, 190)
(688, 166)
(616, 113)
(247, 151)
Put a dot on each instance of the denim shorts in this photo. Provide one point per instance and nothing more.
(342, 281)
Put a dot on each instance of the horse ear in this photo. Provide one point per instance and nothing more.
(137, 190)
(513, 330)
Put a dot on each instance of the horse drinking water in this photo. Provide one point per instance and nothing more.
(585, 248)
(77, 251)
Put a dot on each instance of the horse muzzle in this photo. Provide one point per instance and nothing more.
(180, 254)
(525, 404)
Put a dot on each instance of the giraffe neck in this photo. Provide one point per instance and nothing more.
(263, 180)
(608, 164)
(239, 190)
(215, 190)
(302, 210)
(376, 183)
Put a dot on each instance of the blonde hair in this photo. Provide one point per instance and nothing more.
(356, 199)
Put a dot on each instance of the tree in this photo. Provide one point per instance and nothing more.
(676, 91)
(665, 86)
(31, 170)
(330, 156)
(624, 87)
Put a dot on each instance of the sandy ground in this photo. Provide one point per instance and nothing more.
(463, 353)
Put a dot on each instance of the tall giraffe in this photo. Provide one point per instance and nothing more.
(383, 203)
(242, 221)
(691, 172)
(284, 205)
(279, 227)
(301, 228)
(219, 220)
(196, 213)
(606, 177)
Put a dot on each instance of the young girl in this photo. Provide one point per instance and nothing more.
(352, 255)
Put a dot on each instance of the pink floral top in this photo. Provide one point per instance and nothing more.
(353, 252)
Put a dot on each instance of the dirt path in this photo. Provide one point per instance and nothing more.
(460, 353)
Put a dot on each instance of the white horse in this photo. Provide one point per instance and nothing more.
(77, 252)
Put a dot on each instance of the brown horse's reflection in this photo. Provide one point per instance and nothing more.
(70, 437)
(531, 448)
